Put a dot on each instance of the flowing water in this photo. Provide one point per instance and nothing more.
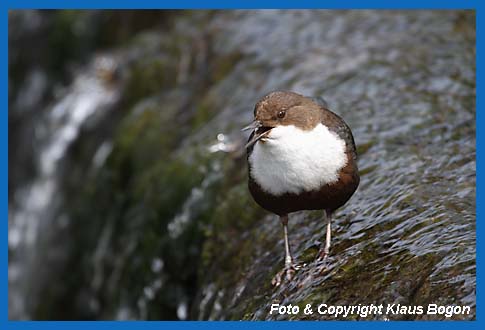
(138, 206)
(38, 202)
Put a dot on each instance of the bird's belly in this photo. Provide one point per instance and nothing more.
(329, 197)
(295, 161)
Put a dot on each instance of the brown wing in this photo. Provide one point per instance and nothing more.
(336, 124)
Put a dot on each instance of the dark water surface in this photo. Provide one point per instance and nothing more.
(127, 178)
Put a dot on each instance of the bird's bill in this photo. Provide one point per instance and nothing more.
(254, 125)
(259, 132)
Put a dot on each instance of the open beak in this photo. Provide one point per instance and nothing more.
(259, 132)
(254, 125)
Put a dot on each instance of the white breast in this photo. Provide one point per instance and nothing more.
(293, 160)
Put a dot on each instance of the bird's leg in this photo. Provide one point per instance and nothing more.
(290, 266)
(288, 257)
(323, 253)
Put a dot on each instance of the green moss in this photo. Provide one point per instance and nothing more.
(364, 147)
(367, 170)
(165, 186)
(149, 77)
(224, 65)
(67, 43)
(205, 110)
(235, 212)
(309, 255)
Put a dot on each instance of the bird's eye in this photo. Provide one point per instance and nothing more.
(281, 113)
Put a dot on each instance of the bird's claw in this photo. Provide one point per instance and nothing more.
(286, 273)
(322, 256)
(320, 261)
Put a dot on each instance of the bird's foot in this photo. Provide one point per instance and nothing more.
(321, 261)
(322, 255)
(286, 273)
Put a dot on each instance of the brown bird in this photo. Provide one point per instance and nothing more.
(301, 156)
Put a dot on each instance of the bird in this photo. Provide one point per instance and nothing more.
(301, 156)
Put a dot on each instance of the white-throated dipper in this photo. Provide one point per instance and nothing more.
(301, 156)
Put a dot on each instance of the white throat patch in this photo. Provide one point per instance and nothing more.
(293, 160)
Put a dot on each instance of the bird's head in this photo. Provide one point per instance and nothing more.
(282, 108)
